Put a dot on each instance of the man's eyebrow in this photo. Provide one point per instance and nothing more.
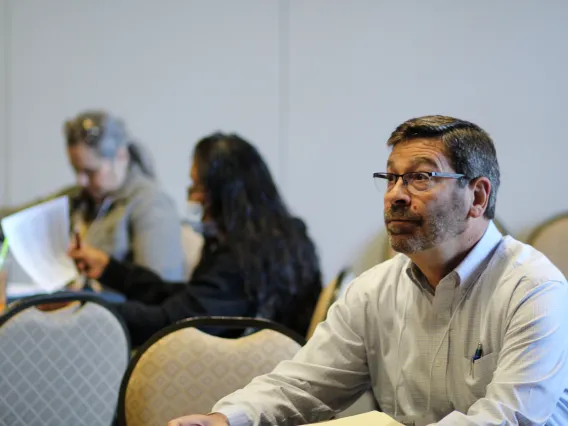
(418, 161)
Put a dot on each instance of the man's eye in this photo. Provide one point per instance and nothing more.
(419, 177)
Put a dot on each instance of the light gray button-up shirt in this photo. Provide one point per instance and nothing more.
(414, 347)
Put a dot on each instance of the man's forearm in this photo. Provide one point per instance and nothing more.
(314, 385)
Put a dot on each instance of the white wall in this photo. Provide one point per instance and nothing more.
(318, 85)
(175, 70)
(360, 68)
(4, 30)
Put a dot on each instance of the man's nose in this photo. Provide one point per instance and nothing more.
(398, 194)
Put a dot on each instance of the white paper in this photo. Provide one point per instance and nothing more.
(38, 238)
(16, 290)
(373, 418)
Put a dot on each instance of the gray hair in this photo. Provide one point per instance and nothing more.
(106, 134)
(470, 148)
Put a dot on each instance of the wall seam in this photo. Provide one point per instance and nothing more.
(283, 90)
(7, 37)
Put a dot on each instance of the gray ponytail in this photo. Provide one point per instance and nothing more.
(141, 156)
(105, 133)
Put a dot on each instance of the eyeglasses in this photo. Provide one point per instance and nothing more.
(414, 181)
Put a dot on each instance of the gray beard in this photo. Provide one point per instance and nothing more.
(439, 226)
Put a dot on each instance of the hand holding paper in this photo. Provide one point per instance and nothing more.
(39, 237)
(90, 261)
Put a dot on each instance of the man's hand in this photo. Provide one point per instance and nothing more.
(89, 260)
(215, 419)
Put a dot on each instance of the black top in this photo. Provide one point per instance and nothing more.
(216, 288)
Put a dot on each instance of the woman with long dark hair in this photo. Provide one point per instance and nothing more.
(257, 259)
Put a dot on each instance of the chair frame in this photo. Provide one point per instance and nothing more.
(210, 321)
(21, 305)
(340, 277)
(336, 283)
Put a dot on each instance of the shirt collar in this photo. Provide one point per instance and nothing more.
(472, 266)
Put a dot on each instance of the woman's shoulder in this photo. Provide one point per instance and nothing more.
(145, 191)
(217, 259)
(138, 184)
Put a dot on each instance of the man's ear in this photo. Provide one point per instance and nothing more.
(481, 188)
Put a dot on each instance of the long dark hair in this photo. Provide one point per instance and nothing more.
(278, 259)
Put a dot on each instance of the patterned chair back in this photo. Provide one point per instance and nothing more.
(183, 370)
(61, 367)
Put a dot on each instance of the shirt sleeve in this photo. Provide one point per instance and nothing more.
(325, 377)
(532, 368)
(156, 236)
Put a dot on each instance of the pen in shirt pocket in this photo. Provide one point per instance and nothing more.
(478, 353)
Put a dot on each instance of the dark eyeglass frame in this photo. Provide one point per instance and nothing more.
(405, 176)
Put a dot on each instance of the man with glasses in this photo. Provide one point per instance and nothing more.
(464, 327)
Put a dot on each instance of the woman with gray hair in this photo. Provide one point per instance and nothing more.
(117, 206)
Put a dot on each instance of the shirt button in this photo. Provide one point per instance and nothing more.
(438, 364)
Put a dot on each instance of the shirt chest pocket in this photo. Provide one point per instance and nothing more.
(479, 374)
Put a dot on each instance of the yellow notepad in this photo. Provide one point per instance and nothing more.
(372, 418)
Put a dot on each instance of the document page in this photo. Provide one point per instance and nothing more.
(38, 239)
(372, 418)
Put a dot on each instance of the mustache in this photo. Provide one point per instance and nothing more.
(399, 214)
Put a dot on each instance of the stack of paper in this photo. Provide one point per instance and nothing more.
(38, 240)
(373, 418)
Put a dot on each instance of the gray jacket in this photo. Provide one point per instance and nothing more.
(138, 223)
